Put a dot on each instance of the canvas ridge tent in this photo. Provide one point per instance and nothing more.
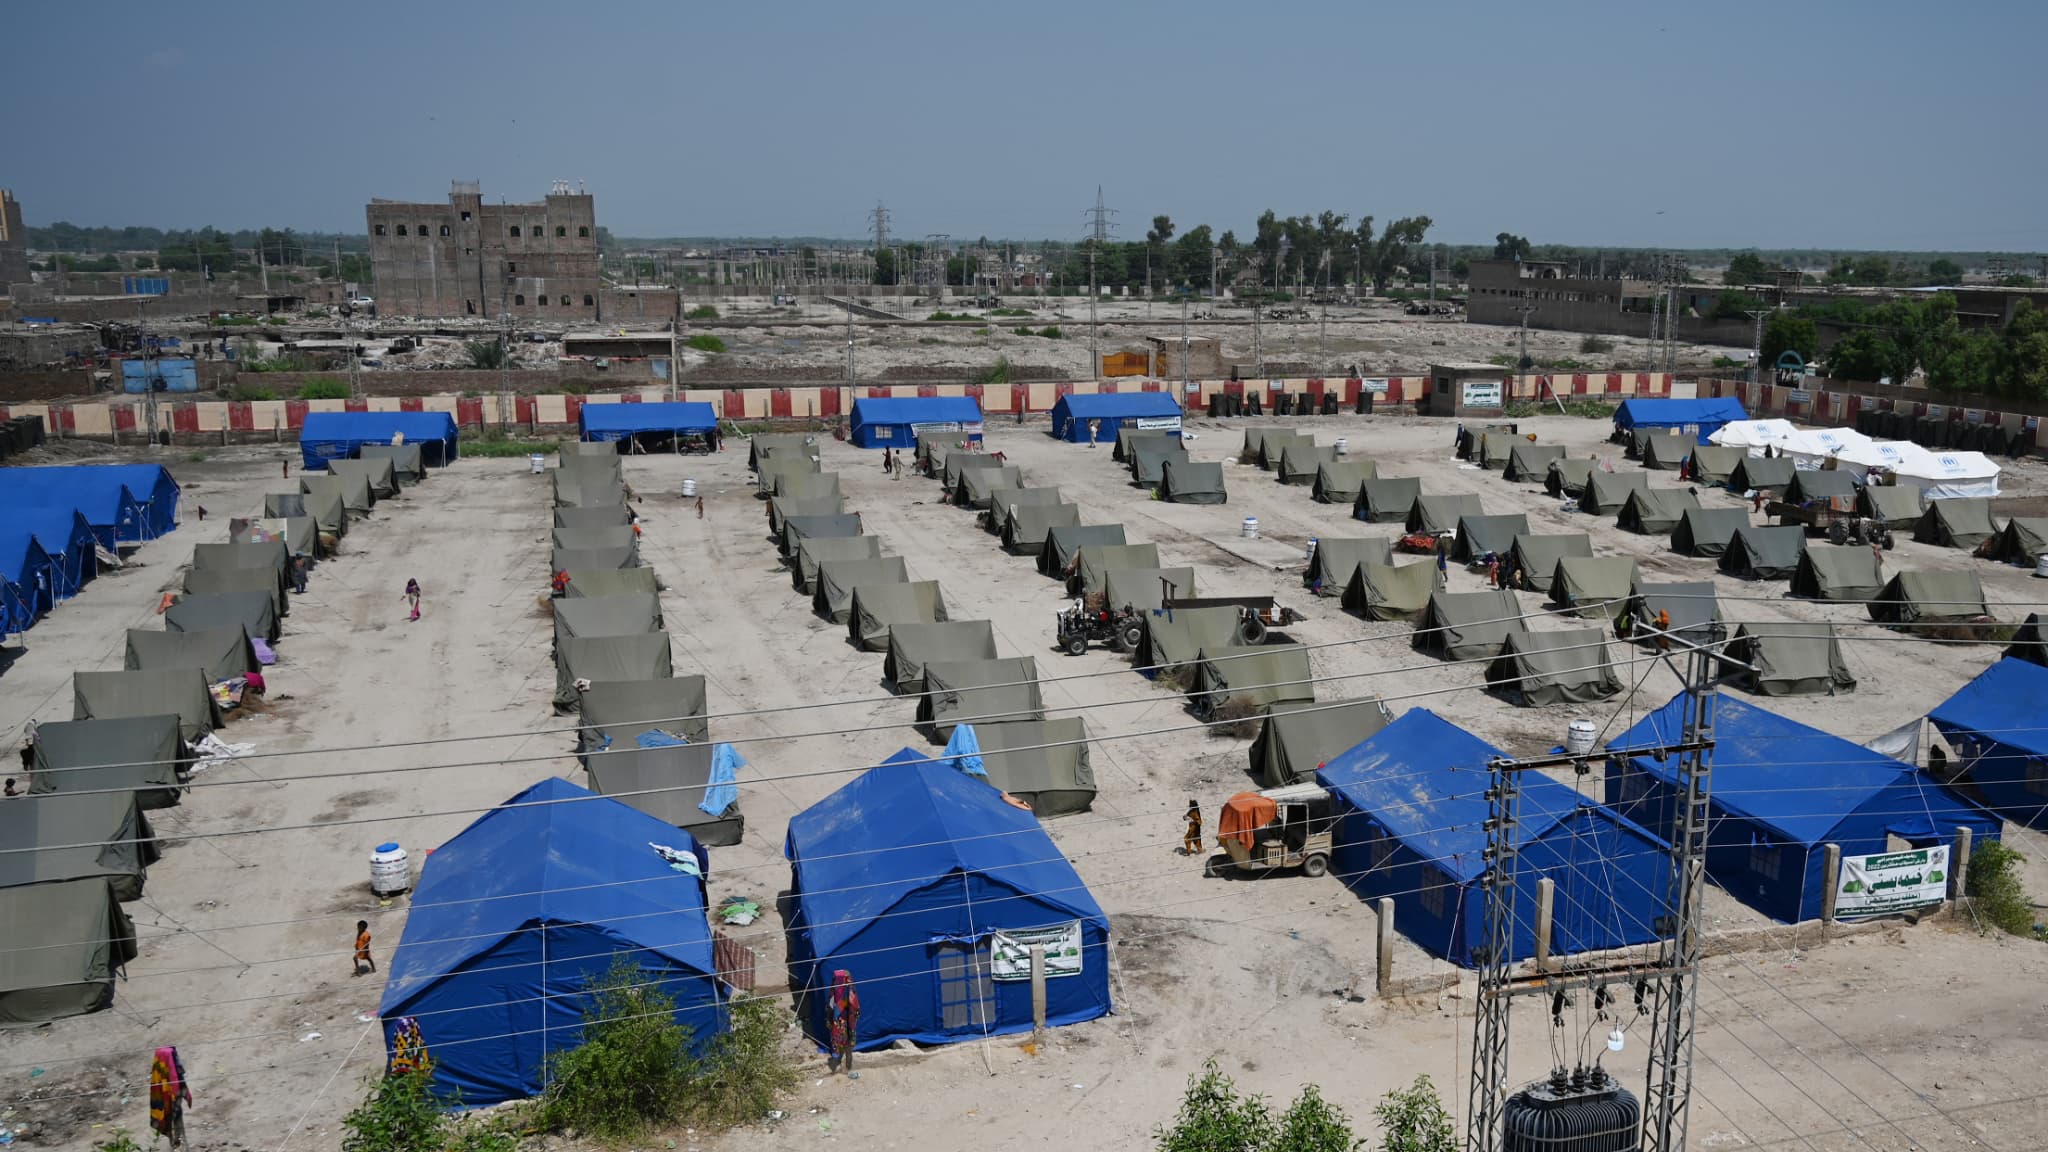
(875, 609)
(594, 492)
(781, 508)
(644, 656)
(144, 753)
(1568, 477)
(353, 488)
(1594, 585)
(178, 691)
(619, 710)
(1025, 527)
(797, 529)
(1918, 597)
(1712, 464)
(1145, 589)
(408, 461)
(1128, 435)
(298, 534)
(778, 468)
(1094, 561)
(1483, 536)
(221, 653)
(1819, 485)
(627, 614)
(1274, 444)
(803, 570)
(1845, 573)
(1956, 523)
(1897, 507)
(1044, 763)
(251, 611)
(1337, 482)
(1254, 439)
(377, 472)
(602, 516)
(667, 781)
(1791, 659)
(1707, 532)
(1389, 592)
(1537, 669)
(90, 939)
(609, 582)
(267, 555)
(1183, 482)
(1063, 546)
(1535, 557)
(1301, 460)
(1764, 553)
(2029, 643)
(1530, 463)
(976, 488)
(1691, 607)
(806, 485)
(611, 536)
(836, 580)
(1007, 500)
(1149, 457)
(1299, 736)
(1606, 492)
(1663, 453)
(325, 507)
(2022, 541)
(978, 692)
(1439, 515)
(1336, 558)
(792, 443)
(1237, 680)
(914, 644)
(1386, 499)
(578, 559)
(1496, 447)
(76, 835)
(1654, 511)
(960, 462)
(1469, 625)
(1175, 640)
(1764, 474)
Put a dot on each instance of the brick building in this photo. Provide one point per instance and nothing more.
(468, 258)
(13, 243)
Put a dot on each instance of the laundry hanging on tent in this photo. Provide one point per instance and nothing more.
(724, 791)
(678, 860)
(963, 751)
(265, 655)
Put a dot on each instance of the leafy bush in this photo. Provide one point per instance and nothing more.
(1214, 1118)
(1052, 332)
(251, 392)
(1010, 312)
(487, 353)
(276, 321)
(1995, 890)
(633, 1070)
(120, 1140)
(575, 387)
(1413, 1119)
(998, 373)
(705, 342)
(701, 312)
(400, 1114)
(496, 444)
(1727, 362)
(1595, 344)
(1023, 331)
(748, 1070)
(948, 316)
(324, 389)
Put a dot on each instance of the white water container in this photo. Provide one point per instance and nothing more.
(390, 870)
(1343, 446)
(1578, 738)
(2041, 566)
(689, 489)
(1251, 527)
(538, 463)
(1309, 553)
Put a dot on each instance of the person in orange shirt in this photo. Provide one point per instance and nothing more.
(363, 947)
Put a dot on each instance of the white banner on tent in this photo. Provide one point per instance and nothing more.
(1169, 423)
(1010, 951)
(1891, 882)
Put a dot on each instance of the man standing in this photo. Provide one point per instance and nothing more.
(362, 957)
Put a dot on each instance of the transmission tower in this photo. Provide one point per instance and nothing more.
(1100, 225)
(878, 223)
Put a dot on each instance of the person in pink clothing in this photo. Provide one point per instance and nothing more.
(412, 597)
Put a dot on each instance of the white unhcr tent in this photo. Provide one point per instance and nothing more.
(1859, 460)
(1754, 435)
(1811, 448)
(1948, 474)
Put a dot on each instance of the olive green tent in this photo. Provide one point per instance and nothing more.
(2022, 541)
(1918, 597)
(1174, 639)
(1149, 457)
(1063, 546)
(574, 491)
(609, 582)
(806, 486)
(1568, 477)
(878, 608)
(913, 644)
(1766, 474)
(1026, 526)
(325, 508)
(622, 709)
(629, 614)
(1236, 681)
(2030, 643)
(222, 653)
(644, 656)
(1606, 492)
(788, 443)
(1469, 625)
(1764, 553)
(1897, 505)
(1690, 609)
(601, 468)
(1483, 536)
(577, 559)
(1706, 532)
(781, 508)
(666, 780)
(1439, 515)
(408, 463)
(1534, 558)
(1300, 736)
(976, 487)
(265, 555)
(931, 456)
(588, 448)
(1386, 592)
(959, 462)
(1129, 434)
(1469, 435)
(1847, 573)
(797, 529)
(1810, 485)
(1536, 669)
(70, 940)
(1593, 585)
(1713, 464)
(1636, 439)
(1790, 659)
(803, 569)
(1956, 522)
(778, 468)
(1386, 499)
(1302, 459)
(1330, 566)
(253, 611)
(1495, 448)
(605, 536)
(978, 692)
(73, 835)
(320, 490)
(1654, 511)
(1010, 499)
(1183, 482)
(835, 581)
(298, 534)
(1146, 588)
(1530, 463)
(143, 754)
(1254, 438)
(1274, 444)
(1337, 482)
(377, 473)
(1044, 763)
(1663, 453)
(1094, 561)
(179, 691)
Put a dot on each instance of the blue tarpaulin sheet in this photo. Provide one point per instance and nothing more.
(1994, 724)
(1072, 416)
(124, 503)
(963, 751)
(25, 578)
(337, 435)
(619, 421)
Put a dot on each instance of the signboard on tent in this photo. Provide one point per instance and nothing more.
(1376, 385)
(1010, 951)
(1891, 882)
(1162, 423)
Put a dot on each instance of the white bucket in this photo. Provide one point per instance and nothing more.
(1251, 527)
(1578, 738)
(689, 489)
(538, 463)
(2041, 566)
(390, 870)
(1343, 446)
(1309, 553)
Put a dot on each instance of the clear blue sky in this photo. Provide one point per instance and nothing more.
(1867, 124)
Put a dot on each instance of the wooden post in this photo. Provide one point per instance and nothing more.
(1959, 865)
(1546, 903)
(1037, 991)
(1385, 982)
(1832, 872)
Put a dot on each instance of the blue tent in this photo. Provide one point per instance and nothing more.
(1410, 808)
(1071, 415)
(25, 579)
(1700, 417)
(124, 503)
(919, 881)
(1994, 722)
(338, 435)
(625, 421)
(65, 537)
(512, 918)
(891, 422)
(1782, 790)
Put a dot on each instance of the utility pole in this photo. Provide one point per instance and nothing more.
(1183, 350)
(1756, 344)
(675, 362)
(850, 375)
(1100, 225)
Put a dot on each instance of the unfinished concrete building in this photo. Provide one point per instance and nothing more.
(468, 258)
(13, 243)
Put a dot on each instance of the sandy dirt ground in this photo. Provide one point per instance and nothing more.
(1909, 1036)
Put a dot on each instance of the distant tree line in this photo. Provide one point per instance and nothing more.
(1893, 339)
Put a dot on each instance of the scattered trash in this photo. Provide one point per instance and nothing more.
(35, 1072)
(1074, 1085)
(825, 1125)
(738, 911)
(366, 1018)
(309, 1036)
(775, 1113)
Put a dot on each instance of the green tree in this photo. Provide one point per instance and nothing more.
(1942, 270)
(2016, 280)
(633, 1068)
(1413, 1119)
(1313, 1124)
(1508, 246)
(1733, 305)
(1190, 258)
(1748, 268)
(2025, 373)
(1387, 252)
(885, 266)
(1788, 331)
